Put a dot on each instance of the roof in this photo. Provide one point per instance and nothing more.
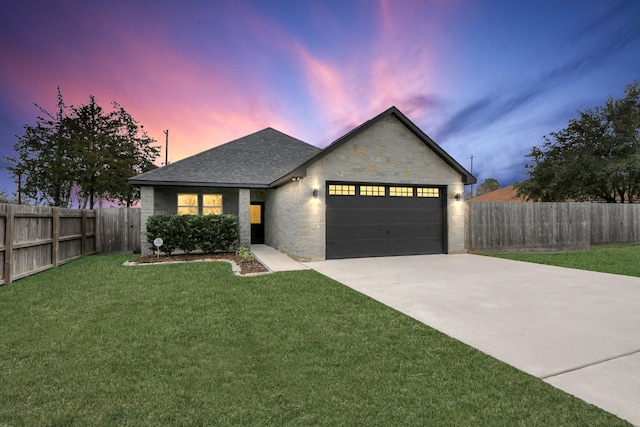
(269, 158)
(253, 161)
(506, 194)
(467, 177)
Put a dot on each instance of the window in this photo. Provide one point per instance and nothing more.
(428, 192)
(401, 191)
(212, 204)
(255, 214)
(342, 190)
(372, 190)
(187, 204)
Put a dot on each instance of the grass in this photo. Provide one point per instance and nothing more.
(616, 259)
(96, 343)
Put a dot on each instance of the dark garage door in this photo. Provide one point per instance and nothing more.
(366, 220)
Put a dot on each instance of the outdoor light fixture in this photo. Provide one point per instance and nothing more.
(458, 197)
(296, 178)
(315, 193)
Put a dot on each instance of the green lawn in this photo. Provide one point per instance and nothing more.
(96, 343)
(616, 259)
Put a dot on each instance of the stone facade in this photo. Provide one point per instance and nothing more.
(386, 153)
(146, 210)
(164, 201)
(244, 218)
(295, 221)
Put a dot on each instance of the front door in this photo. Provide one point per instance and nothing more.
(257, 222)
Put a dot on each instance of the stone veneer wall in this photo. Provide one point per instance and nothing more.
(385, 153)
(164, 201)
(146, 210)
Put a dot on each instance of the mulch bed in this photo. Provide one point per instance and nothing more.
(246, 267)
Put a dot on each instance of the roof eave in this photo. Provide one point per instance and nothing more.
(300, 172)
(467, 177)
(145, 183)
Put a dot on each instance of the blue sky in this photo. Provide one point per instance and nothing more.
(482, 78)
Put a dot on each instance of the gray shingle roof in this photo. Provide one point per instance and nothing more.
(269, 158)
(255, 160)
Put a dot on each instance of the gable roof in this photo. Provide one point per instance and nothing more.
(467, 177)
(253, 161)
(269, 158)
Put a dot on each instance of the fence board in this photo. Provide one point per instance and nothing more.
(36, 238)
(549, 226)
(120, 230)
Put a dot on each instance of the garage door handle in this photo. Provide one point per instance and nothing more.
(387, 231)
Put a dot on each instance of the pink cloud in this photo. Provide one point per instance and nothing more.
(216, 96)
(396, 68)
(202, 104)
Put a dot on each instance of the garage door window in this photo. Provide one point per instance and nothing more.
(342, 190)
(372, 190)
(428, 192)
(401, 191)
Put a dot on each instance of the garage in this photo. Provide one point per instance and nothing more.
(368, 220)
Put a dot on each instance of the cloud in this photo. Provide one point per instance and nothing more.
(493, 107)
(393, 66)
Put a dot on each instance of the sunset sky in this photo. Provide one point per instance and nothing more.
(481, 77)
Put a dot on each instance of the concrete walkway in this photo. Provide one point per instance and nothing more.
(275, 260)
(576, 330)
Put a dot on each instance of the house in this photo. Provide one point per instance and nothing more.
(505, 194)
(384, 188)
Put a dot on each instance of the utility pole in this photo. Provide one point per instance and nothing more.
(166, 147)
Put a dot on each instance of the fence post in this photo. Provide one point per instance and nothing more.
(98, 229)
(55, 248)
(8, 243)
(83, 233)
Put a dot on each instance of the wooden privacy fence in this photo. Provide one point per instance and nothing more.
(549, 226)
(37, 238)
(119, 230)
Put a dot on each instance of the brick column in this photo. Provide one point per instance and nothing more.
(244, 217)
(146, 210)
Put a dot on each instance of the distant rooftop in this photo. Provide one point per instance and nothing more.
(506, 194)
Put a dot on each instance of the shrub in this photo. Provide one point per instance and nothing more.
(215, 232)
(181, 227)
(245, 254)
(209, 233)
(159, 226)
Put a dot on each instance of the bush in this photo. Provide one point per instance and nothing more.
(245, 254)
(160, 226)
(209, 233)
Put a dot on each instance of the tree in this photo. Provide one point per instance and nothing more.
(487, 186)
(84, 148)
(43, 163)
(596, 157)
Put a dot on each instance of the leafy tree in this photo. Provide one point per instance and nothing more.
(487, 186)
(84, 148)
(596, 157)
(43, 162)
(136, 153)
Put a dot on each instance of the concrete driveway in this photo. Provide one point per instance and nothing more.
(576, 330)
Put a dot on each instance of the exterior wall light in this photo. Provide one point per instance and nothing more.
(315, 193)
(296, 178)
(458, 197)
